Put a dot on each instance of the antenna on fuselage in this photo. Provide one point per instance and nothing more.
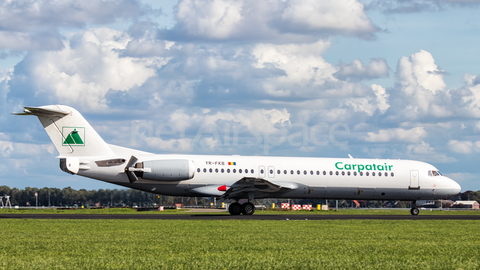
(350, 156)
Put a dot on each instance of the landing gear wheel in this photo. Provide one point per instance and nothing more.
(235, 209)
(414, 211)
(248, 208)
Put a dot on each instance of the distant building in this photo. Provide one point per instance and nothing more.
(466, 204)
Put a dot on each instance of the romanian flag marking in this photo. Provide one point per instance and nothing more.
(232, 163)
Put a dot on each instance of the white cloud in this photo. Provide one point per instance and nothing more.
(343, 16)
(8, 149)
(420, 89)
(170, 145)
(423, 151)
(397, 134)
(217, 19)
(382, 98)
(24, 23)
(86, 69)
(357, 71)
(284, 21)
(303, 65)
(464, 147)
(419, 72)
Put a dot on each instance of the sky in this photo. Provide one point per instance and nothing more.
(394, 79)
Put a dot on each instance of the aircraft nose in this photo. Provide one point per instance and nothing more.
(456, 188)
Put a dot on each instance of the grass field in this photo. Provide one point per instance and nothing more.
(258, 212)
(238, 244)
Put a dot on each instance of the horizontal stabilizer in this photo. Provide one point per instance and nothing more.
(39, 111)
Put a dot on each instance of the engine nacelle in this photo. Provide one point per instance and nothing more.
(168, 170)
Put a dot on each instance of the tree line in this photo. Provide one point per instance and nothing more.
(68, 197)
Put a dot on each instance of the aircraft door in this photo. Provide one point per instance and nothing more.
(261, 171)
(414, 180)
(271, 171)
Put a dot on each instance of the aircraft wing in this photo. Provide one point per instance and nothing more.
(259, 187)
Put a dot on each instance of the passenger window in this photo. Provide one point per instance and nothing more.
(210, 170)
(324, 173)
(291, 172)
(239, 170)
(392, 174)
(331, 173)
(343, 173)
(261, 171)
(298, 172)
(336, 172)
(216, 170)
(361, 173)
(278, 171)
(228, 170)
(223, 170)
(318, 172)
(284, 171)
(234, 170)
(271, 171)
(204, 169)
(252, 171)
(305, 172)
(348, 173)
(366, 173)
(311, 172)
(373, 173)
(198, 170)
(354, 173)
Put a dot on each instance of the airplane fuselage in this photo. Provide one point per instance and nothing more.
(322, 178)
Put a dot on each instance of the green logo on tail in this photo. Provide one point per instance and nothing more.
(73, 136)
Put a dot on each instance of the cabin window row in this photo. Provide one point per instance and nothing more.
(223, 170)
(348, 173)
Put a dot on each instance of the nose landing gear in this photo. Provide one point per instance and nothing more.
(414, 211)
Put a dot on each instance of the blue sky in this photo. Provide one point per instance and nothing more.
(373, 79)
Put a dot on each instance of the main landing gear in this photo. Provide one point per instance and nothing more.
(247, 208)
(414, 211)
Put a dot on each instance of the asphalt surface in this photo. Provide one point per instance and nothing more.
(229, 217)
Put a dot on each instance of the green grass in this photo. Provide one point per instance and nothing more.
(103, 211)
(239, 244)
(258, 212)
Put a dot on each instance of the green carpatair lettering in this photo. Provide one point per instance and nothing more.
(336, 165)
(360, 167)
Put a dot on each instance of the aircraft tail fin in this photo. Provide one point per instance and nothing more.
(71, 134)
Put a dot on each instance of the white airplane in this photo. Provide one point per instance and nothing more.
(83, 152)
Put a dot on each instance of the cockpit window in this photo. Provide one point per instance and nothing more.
(434, 173)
